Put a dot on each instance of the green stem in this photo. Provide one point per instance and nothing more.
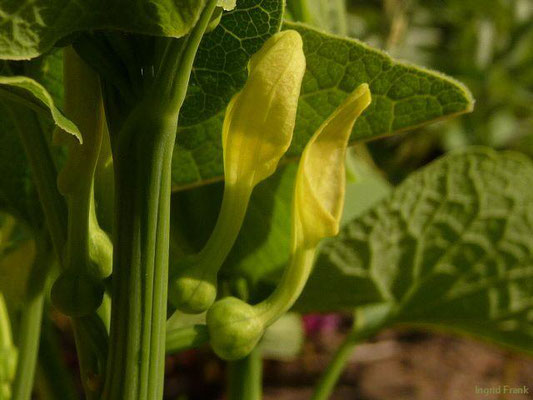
(30, 324)
(30, 329)
(182, 339)
(367, 322)
(230, 218)
(143, 159)
(329, 379)
(8, 352)
(290, 286)
(43, 172)
(245, 377)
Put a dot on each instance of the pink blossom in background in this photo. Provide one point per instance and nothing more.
(321, 323)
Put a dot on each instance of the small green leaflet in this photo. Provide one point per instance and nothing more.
(32, 94)
(31, 27)
(452, 248)
(404, 97)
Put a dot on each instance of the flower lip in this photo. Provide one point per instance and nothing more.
(320, 186)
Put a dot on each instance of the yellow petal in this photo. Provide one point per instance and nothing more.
(320, 181)
(260, 119)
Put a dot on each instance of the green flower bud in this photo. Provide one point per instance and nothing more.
(76, 294)
(194, 290)
(234, 328)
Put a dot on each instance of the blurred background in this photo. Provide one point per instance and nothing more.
(488, 45)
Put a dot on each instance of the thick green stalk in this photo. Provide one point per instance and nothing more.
(142, 161)
(245, 377)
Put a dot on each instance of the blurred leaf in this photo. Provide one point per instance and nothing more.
(283, 339)
(452, 248)
(15, 268)
(17, 193)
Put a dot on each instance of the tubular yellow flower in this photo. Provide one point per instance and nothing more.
(316, 211)
(260, 119)
(320, 182)
(257, 131)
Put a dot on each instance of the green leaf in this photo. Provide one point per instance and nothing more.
(17, 192)
(220, 67)
(29, 92)
(31, 27)
(403, 97)
(452, 248)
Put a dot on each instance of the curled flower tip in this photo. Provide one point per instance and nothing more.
(317, 201)
(320, 182)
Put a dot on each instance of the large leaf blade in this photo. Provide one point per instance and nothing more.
(31, 27)
(404, 97)
(220, 66)
(451, 248)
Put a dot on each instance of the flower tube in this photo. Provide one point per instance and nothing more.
(257, 132)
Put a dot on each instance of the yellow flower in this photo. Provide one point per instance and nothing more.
(234, 326)
(260, 119)
(257, 131)
(320, 181)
